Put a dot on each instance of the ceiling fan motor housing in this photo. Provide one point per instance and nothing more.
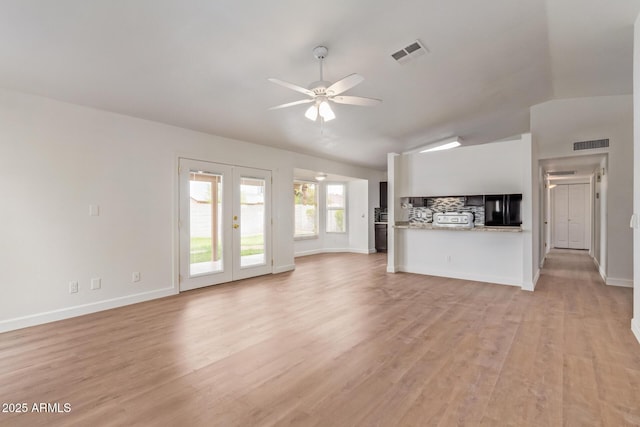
(320, 52)
(319, 87)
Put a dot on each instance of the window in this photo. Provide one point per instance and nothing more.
(305, 196)
(336, 202)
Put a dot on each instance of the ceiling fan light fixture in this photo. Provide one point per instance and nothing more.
(326, 112)
(312, 113)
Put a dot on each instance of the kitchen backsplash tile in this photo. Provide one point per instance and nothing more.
(377, 214)
(445, 204)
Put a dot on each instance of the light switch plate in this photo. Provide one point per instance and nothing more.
(96, 283)
(94, 210)
(73, 287)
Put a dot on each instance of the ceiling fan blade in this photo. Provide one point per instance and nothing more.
(344, 84)
(356, 100)
(292, 87)
(291, 104)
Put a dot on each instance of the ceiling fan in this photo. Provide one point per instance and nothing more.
(321, 93)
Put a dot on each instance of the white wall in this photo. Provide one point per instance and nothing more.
(57, 158)
(480, 256)
(480, 169)
(501, 167)
(395, 182)
(530, 222)
(557, 124)
(358, 213)
(635, 323)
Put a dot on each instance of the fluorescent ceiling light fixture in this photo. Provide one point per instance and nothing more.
(447, 144)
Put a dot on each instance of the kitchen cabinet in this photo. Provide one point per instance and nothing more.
(383, 195)
(381, 237)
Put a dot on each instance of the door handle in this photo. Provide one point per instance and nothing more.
(236, 225)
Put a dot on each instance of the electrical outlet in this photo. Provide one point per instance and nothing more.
(135, 276)
(96, 283)
(448, 258)
(73, 287)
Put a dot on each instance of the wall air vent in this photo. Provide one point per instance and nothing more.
(561, 173)
(409, 52)
(590, 145)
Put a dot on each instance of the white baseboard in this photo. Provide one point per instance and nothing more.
(333, 250)
(603, 275)
(635, 328)
(624, 283)
(307, 253)
(531, 286)
(392, 269)
(464, 276)
(79, 310)
(284, 268)
(612, 281)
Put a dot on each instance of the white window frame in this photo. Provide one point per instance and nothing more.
(317, 216)
(329, 209)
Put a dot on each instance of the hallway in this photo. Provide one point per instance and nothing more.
(575, 348)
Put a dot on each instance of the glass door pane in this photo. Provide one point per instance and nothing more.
(205, 219)
(252, 221)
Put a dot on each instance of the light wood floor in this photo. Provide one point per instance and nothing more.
(341, 342)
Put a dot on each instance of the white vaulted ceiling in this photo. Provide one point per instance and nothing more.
(204, 64)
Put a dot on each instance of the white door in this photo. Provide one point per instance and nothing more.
(560, 216)
(224, 223)
(577, 224)
(571, 216)
(251, 222)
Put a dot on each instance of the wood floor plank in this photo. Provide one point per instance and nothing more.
(341, 342)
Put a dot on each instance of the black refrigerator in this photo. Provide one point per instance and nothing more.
(503, 210)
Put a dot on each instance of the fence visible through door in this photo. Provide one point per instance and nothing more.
(224, 222)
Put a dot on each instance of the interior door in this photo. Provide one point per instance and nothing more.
(561, 216)
(576, 206)
(224, 223)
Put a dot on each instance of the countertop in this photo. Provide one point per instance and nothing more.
(429, 226)
(381, 222)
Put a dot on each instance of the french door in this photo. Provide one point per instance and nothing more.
(224, 223)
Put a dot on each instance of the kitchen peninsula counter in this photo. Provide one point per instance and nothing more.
(429, 226)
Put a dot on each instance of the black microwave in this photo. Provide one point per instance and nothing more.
(503, 210)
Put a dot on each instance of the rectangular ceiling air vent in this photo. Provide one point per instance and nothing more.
(561, 173)
(409, 52)
(590, 145)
